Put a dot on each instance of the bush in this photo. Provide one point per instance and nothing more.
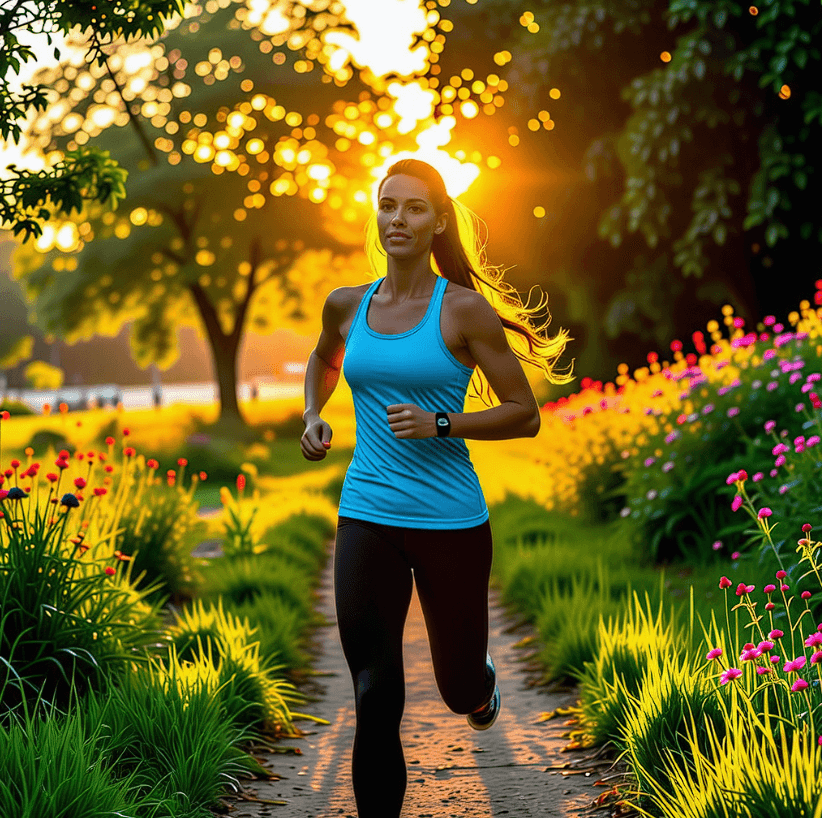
(45, 438)
(64, 620)
(158, 530)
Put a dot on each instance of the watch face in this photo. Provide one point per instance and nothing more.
(443, 421)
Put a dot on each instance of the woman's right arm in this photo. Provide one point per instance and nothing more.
(322, 372)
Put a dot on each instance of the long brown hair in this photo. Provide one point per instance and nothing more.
(458, 255)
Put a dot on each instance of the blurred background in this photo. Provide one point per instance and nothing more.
(641, 164)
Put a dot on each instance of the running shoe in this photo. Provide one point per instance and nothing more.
(485, 716)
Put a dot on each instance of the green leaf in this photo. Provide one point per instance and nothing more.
(771, 235)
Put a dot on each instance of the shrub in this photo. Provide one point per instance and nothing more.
(64, 619)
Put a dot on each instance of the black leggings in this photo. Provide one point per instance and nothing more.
(372, 586)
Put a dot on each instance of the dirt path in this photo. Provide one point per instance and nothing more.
(452, 769)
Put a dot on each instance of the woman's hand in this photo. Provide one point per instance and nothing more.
(407, 420)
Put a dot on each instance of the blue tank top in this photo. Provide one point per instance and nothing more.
(425, 483)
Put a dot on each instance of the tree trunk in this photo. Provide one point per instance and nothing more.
(224, 348)
(225, 362)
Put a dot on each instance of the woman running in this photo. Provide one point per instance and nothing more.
(411, 503)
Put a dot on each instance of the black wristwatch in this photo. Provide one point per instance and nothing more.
(443, 424)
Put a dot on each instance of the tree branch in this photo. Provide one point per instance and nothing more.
(134, 120)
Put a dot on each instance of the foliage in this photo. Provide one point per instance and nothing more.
(159, 528)
(743, 152)
(65, 620)
(244, 578)
(55, 768)
(85, 174)
(168, 733)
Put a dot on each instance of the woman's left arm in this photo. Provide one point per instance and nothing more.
(518, 412)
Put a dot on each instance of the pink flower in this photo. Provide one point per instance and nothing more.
(775, 659)
(750, 654)
(724, 582)
(735, 555)
(776, 634)
(764, 512)
(715, 653)
(768, 589)
(769, 606)
(736, 502)
(742, 588)
(763, 670)
(780, 574)
(784, 587)
(806, 594)
(717, 545)
(817, 657)
(765, 645)
(813, 639)
(794, 665)
(730, 673)
(731, 478)
(758, 476)
(770, 425)
(799, 684)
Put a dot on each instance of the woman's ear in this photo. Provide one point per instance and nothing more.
(442, 223)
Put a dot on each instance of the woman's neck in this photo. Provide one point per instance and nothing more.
(408, 280)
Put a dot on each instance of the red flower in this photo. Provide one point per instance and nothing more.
(110, 571)
(724, 582)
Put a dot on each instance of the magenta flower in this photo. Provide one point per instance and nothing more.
(794, 665)
(775, 659)
(764, 512)
(769, 606)
(730, 673)
(714, 653)
(742, 588)
(750, 654)
(780, 574)
(768, 589)
(784, 587)
(776, 634)
(771, 424)
(813, 639)
(806, 594)
(717, 545)
(765, 645)
(724, 582)
(758, 476)
(817, 657)
(731, 478)
(735, 555)
(799, 684)
(736, 502)
(763, 670)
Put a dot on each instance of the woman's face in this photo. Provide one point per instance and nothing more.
(404, 207)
